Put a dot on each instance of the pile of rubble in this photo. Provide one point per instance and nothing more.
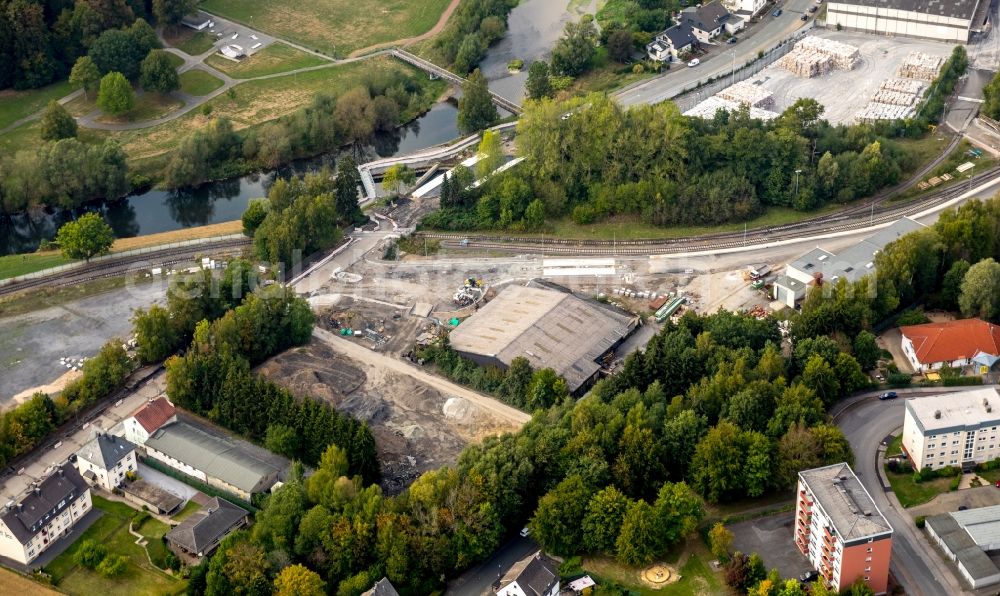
(748, 94)
(710, 106)
(815, 56)
(918, 65)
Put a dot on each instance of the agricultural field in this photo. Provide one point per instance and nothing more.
(334, 27)
(275, 58)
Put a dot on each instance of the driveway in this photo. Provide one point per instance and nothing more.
(771, 538)
(891, 340)
(171, 485)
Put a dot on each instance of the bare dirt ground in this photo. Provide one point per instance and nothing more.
(417, 426)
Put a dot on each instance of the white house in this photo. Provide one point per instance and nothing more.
(148, 419)
(105, 460)
(745, 8)
(669, 45)
(952, 429)
(966, 342)
(709, 21)
(43, 514)
(535, 575)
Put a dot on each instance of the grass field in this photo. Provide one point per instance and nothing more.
(13, 583)
(175, 60)
(191, 42)
(910, 493)
(111, 530)
(147, 107)
(198, 82)
(14, 265)
(334, 26)
(895, 446)
(275, 58)
(696, 577)
(15, 105)
(219, 229)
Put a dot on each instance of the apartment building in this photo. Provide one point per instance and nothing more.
(840, 530)
(953, 429)
(105, 460)
(43, 514)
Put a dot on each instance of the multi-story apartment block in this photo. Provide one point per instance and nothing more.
(840, 530)
(954, 429)
(46, 512)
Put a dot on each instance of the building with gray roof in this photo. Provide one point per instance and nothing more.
(212, 459)
(382, 587)
(943, 20)
(552, 329)
(200, 534)
(105, 460)
(968, 538)
(534, 575)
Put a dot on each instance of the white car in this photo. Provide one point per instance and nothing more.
(525, 532)
(694, 62)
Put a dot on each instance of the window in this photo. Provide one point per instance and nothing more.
(868, 569)
(869, 549)
(867, 578)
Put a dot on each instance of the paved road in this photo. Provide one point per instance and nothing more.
(761, 37)
(866, 421)
(478, 581)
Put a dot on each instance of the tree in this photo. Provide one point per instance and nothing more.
(238, 568)
(116, 96)
(866, 350)
(86, 237)
(254, 216)
(638, 542)
(155, 334)
(819, 376)
(345, 190)
(620, 44)
(57, 123)
(170, 12)
(121, 51)
(951, 285)
(469, 54)
(556, 523)
(112, 566)
(475, 109)
(298, 580)
(490, 154)
(546, 389)
(396, 177)
(572, 53)
(90, 554)
(678, 511)
(157, 74)
(991, 98)
(719, 540)
(980, 294)
(534, 215)
(85, 74)
(538, 84)
(601, 524)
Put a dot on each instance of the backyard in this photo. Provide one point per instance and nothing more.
(334, 27)
(111, 531)
(912, 493)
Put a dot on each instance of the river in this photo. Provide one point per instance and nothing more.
(533, 28)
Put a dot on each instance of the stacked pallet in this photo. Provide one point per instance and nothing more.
(895, 98)
(845, 56)
(806, 64)
(919, 65)
(882, 111)
(707, 109)
(902, 86)
(815, 56)
(748, 94)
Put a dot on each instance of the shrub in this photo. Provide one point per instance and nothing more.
(112, 566)
(920, 521)
(962, 381)
(953, 486)
(993, 464)
(899, 379)
(90, 554)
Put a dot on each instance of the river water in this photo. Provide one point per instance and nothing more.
(533, 28)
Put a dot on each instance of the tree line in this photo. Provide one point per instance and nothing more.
(591, 159)
(471, 29)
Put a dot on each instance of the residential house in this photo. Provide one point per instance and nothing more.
(966, 342)
(840, 530)
(820, 266)
(148, 419)
(42, 515)
(745, 9)
(671, 44)
(105, 460)
(952, 429)
(382, 587)
(200, 534)
(535, 575)
(708, 21)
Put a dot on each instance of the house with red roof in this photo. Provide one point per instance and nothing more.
(148, 419)
(958, 343)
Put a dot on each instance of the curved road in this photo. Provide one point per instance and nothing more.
(866, 421)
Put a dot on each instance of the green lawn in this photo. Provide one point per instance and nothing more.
(895, 447)
(147, 107)
(186, 511)
(15, 105)
(910, 493)
(334, 26)
(111, 530)
(199, 82)
(175, 60)
(14, 265)
(275, 58)
(696, 577)
(192, 43)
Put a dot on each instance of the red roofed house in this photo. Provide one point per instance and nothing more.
(148, 419)
(957, 343)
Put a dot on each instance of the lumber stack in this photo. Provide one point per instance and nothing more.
(921, 66)
(748, 94)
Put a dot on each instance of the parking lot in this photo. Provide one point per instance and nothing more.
(227, 32)
(771, 538)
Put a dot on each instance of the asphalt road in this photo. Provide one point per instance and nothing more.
(866, 421)
(762, 37)
(479, 580)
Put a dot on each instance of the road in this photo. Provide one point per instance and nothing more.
(479, 580)
(762, 37)
(866, 421)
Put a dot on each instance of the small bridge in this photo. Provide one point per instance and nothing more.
(434, 69)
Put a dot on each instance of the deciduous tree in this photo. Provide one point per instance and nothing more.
(475, 109)
(538, 84)
(158, 74)
(85, 75)
(57, 123)
(299, 580)
(116, 96)
(86, 237)
(980, 294)
(556, 524)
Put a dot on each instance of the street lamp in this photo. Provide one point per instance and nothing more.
(797, 172)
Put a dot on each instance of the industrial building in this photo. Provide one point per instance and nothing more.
(944, 20)
(953, 429)
(818, 265)
(551, 328)
(969, 538)
(840, 530)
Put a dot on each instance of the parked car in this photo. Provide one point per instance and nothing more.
(812, 9)
(962, 507)
(808, 576)
(732, 40)
(694, 62)
(525, 532)
(888, 395)
(804, 17)
(776, 13)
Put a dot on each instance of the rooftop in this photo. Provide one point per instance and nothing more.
(150, 493)
(155, 414)
(535, 575)
(982, 524)
(858, 260)
(964, 409)
(382, 587)
(106, 450)
(214, 455)
(959, 9)
(707, 17)
(47, 499)
(550, 328)
(953, 340)
(846, 502)
(958, 537)
(207, 526)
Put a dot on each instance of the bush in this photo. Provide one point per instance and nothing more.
(920, 521)
(899, 380)
(993, 464)
(953, 486)
(112, 566)
(962, 381)
(912, 316)
(90, 554)
(571, 566)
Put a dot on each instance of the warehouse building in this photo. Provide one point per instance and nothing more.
(969, 538)
(943, 20)
(551, 328)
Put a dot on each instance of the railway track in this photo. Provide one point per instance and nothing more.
(860, 216)
(129, 264)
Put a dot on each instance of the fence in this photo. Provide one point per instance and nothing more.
(118, 255)
(689, 98)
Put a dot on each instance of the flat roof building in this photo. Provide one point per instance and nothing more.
(552, 329)
(952, 429)
(840, 530)
(967, 537)
(944, 20)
